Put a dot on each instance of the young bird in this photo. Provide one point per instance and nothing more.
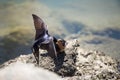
(45, 41)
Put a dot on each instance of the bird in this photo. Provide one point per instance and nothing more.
(43, 40)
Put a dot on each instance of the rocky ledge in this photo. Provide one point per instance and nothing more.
(75, 64)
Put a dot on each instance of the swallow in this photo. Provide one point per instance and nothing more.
(42, 39)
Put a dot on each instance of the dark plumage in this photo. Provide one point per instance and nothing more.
(45, 41)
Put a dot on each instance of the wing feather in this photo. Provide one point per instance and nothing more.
(40, 26)
(51, 50)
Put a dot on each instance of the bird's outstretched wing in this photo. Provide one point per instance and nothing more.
(41, 31)
(40, 26)
(51, 49)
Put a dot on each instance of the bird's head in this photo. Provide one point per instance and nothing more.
(62, 44)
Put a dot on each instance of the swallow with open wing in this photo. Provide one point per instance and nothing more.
(45, 41)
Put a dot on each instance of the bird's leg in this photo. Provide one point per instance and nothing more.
(35, 50)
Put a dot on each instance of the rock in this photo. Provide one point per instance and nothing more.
(76, 63)
(23, 71)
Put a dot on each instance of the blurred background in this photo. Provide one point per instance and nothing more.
(95, 23)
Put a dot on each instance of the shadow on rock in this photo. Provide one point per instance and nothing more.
(63, 65)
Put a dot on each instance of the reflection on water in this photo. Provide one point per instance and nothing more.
(112, 33)
(94, 41)
(73, 27)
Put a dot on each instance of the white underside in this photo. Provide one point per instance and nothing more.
(47, 39)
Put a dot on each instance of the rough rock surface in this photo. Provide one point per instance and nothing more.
(76, 64)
